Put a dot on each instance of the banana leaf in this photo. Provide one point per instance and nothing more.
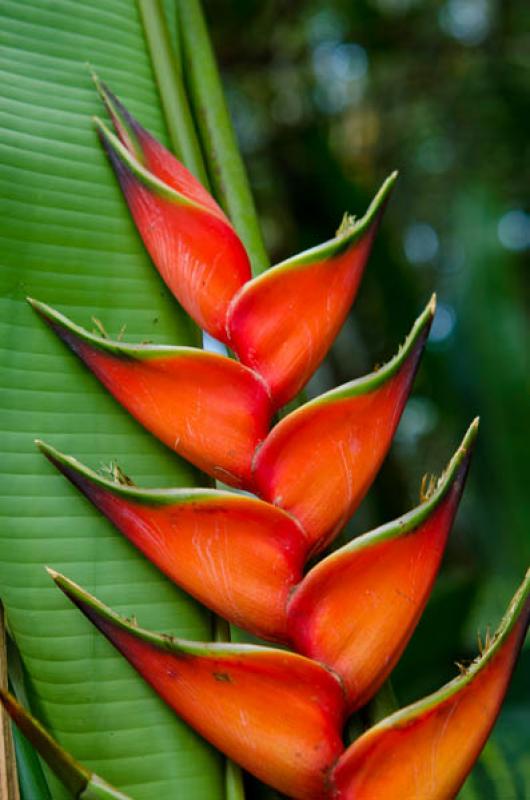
(66, 238)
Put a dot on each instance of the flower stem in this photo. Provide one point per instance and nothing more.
(31, 778)
(168, 74)
(383, 704)
(234, 788)
(225, 164)
(185, 143)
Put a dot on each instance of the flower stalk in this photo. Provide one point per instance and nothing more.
(225, 164)
(168, 73)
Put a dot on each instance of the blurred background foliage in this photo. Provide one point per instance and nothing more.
(328, 97)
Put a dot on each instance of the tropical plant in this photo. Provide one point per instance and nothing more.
(339, 623)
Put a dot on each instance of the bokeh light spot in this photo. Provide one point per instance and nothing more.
(421, 243)
(468, 21)
(513, 230)
(443, 323)
(419, 418)
(340, 70)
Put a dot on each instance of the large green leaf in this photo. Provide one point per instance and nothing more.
(67, 239)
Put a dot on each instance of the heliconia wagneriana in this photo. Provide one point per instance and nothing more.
(343, 621)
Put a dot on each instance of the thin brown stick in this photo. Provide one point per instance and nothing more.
(8, 764)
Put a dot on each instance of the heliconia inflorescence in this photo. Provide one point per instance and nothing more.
(280, 713)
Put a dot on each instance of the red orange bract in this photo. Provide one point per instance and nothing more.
(278, 713)
(432, 745)
(281, 715)
(188, 236)
(283, 323)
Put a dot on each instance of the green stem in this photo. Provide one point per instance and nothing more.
(168, 74)
(354, 728)
(185, 143)
(234, 788)
(221, 630)
(225, 164)
(32, 783)
(31, 778)
(383, 704)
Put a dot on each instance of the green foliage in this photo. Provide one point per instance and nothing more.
(67, 237)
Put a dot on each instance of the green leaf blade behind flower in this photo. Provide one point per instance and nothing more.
(66, 235)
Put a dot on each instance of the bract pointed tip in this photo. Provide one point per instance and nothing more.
(54, 575)
(162, 387)
(390, 181)
(93, 74)
(471, 434)
(282, 323)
